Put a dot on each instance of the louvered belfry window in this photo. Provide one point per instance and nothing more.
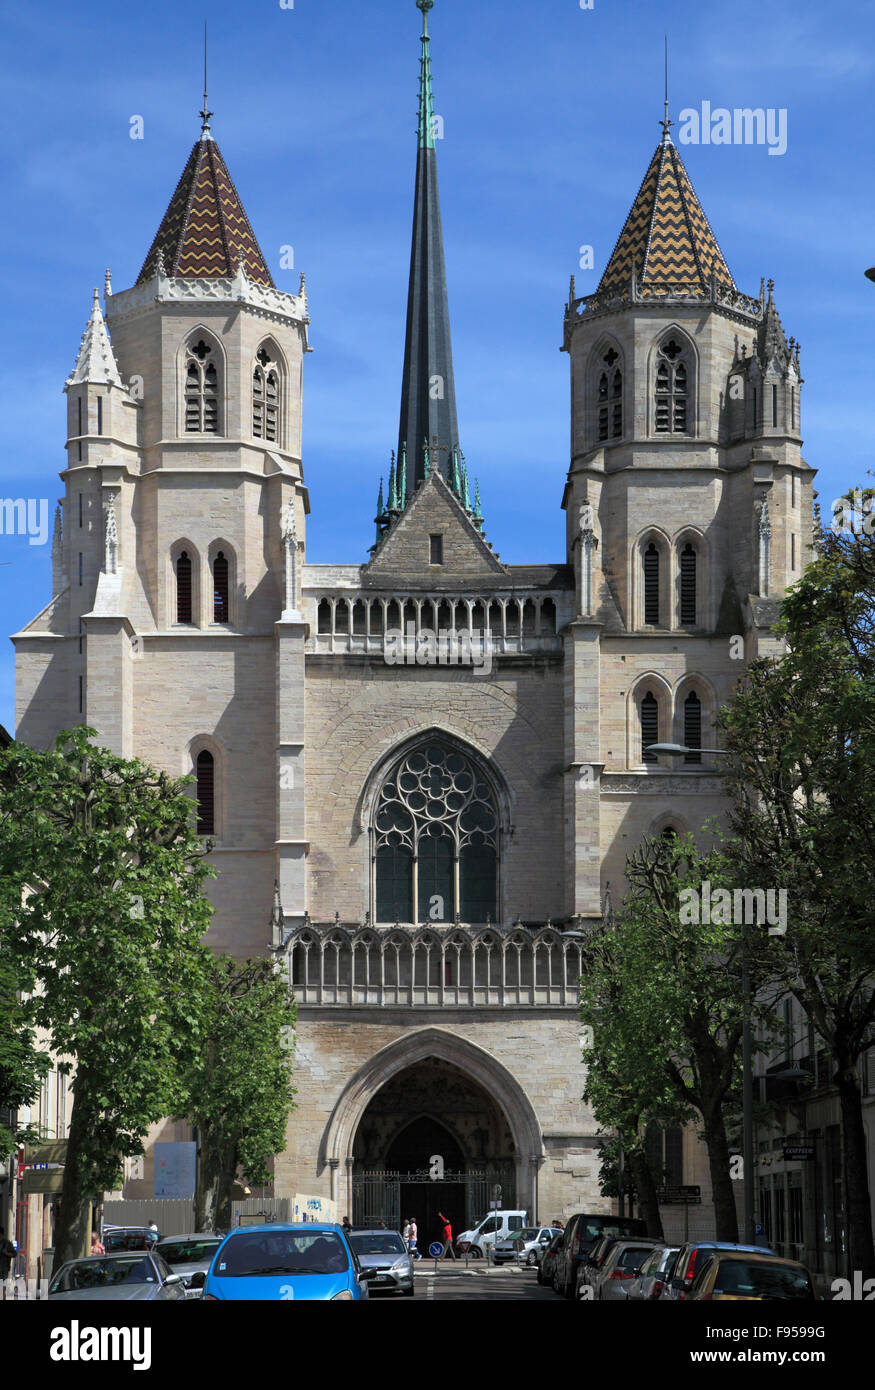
(693, 727)
(265, 398)
(649, 726)
(206, 794)
(183, 588)
(651, 586)
(603, 406)
(201, 391)
(672, 389)
(220, 588)
(610, 399)
(688, 586)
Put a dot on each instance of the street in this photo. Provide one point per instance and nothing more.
(450, 1284)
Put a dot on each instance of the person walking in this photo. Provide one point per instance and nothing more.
(448, 1253)
(414, 1236)
(405, 1233)
(7, 1255)
(97, 1247)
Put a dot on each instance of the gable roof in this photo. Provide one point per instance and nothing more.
(205, 232)
(666, 236)
(403, 550)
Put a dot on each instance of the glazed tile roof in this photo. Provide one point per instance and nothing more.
(205, 232)
(666, 236)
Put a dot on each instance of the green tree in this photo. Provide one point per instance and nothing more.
(239, 1088)
(677, 983)
(802, 728)
(22, 1063)
(108, 870)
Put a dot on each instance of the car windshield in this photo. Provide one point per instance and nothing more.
(762, 1281)
(379, 1243)
(530, 1233)
(127, 1240)
(632, 1258)
(282, 1252)
(188, 1252)
(102, 1274)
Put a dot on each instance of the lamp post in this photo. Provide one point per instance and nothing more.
(673, 750)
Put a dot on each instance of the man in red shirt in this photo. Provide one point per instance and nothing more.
(448, 1252)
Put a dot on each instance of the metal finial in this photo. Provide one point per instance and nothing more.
(665, 122)
(206, 113)
(425, 6)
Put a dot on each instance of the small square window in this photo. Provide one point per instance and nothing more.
(436, 550)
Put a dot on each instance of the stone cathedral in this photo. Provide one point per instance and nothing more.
(422, 768)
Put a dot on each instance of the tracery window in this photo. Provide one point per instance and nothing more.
(201, 390)
(265, 397)
(672, 388)
(610, 397)
(436, 840)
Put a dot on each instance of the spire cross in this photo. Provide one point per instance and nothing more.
(206, 113)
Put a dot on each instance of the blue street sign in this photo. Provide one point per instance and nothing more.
(435, 1249)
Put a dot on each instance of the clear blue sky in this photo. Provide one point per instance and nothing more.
(550, 118)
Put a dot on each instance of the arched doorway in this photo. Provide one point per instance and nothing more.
(431, 1142)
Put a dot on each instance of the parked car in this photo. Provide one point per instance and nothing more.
(690, 1257)
(285, 1263)
(728, 1274)
(653, 1276)
(581, 1233)
(590, 1267)
(384, 1260)
(621, 1264)
(190, 1257)
(526, 1247)
(133, 1276)
(128, 1238)
(489, 1229)
(547, 1263)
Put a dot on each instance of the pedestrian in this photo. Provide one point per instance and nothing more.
(558, 1225)
(153, 1232)
(7, 1255)
(97, 1248)
(414, 1235)
(448, 1253)
(345, 1226)
(405, 1233)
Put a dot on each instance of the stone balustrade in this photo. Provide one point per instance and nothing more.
(357, 622)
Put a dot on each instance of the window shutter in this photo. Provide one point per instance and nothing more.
(688, 586)
(649, 726)
(693, 726)
(651, 586)
(183, 588)
(220, 589)
(206, 806)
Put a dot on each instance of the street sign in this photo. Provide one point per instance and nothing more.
(680, 1196)
(800, 1152)
(496, 1205)
(435, 1249)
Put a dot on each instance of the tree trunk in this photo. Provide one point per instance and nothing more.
(647, 1195)
(72, 1228)
(206, 1190)
(858, 1212)
(725, 1214)
(227, 1175)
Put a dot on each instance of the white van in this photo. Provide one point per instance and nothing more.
(498, 1225)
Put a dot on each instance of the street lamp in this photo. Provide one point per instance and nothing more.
(673, 750)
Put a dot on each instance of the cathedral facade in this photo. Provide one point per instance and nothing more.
(422, 771)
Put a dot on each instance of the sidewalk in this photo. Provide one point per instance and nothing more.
(476, 1268)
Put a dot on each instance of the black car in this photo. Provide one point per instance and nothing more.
(581, 1234)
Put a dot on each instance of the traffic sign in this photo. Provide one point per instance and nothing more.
(435, 1249)
(680, 1196)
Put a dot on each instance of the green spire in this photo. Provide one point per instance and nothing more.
(402, 479)
(478, 508)
(426, 458)
(380, 518)
(466, 497)
(393, 495)
(456, 476)
(426, 95)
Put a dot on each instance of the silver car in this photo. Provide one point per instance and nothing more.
(652, 1279)
(524, 1247)
(190, 1257)
(619, 1269)
(384, 1260)
(130, 1276)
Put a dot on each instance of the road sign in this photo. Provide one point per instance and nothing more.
(802, 1152)
(680, 1196)
(435, 1249)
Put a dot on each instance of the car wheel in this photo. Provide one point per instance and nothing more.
(531, 1259)
(408, 1293)
(475, 1252)
(557, 1286)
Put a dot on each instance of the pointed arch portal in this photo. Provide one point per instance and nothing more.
(432, 1093)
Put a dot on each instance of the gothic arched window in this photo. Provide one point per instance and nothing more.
(201, 389)
(672, 388)
(220, 588)
(649, 726)
(651, 586)
(693, 727)
(183, 588)
(206, 794)
(610, 397)
(265, 397)
(688, 586)
(436, 840)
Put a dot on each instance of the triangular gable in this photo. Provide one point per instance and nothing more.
(404, 551)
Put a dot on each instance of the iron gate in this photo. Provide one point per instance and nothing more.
(376, 1195)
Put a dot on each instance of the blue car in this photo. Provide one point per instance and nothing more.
(285, 1264)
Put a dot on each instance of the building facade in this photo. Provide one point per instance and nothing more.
(422, 771)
